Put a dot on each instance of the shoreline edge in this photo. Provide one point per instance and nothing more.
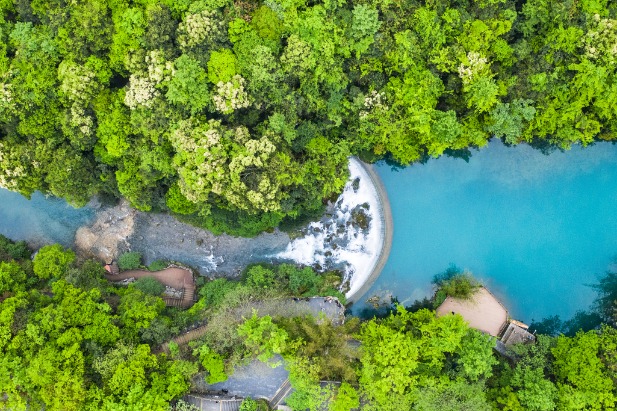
(387, 230)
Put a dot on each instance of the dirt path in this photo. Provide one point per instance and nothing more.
(174, 277)
(388, 230)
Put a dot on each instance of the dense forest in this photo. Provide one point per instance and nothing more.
(69, 340)
(240, 115)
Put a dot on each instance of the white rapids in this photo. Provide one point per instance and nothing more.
(350, 239)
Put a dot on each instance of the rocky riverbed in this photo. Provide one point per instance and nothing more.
(162, 237)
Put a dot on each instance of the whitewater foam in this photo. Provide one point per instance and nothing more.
(351, 239)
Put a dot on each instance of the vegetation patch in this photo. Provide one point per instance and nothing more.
(130, 260)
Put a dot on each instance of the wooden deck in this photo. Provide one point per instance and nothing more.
(174, 277)
(484, 312)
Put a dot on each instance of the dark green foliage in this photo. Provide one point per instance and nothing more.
(582, 321)
(88, 276)
(95, 97)
(13, 250)
(150, 286)
(606, 302)
(130, 260)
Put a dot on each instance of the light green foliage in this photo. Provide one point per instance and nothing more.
(178, 203)
(262, 337)
(221, 66)
(346, 399)
(127, 39)
(135, 378)
(66, 349)
(476, 356)
(248, 404)
(267, 24)
(364, 26)
(405, 353)
(174, 349)
(12, 277)
(52, 261)
(137, 310)
(213, 363)
(583, 380)
(307, 394)
(456, 396)
(130, 260)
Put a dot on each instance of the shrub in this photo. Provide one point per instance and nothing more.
(149, 285)
(129, 261)
(259, 277)
(455, 283)
(303, 280)
(158, 265)
(213, 363)
(248, 404)
(213, 292)
(185, 406)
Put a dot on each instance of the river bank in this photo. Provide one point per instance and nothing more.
(354, 236)
(160, 236)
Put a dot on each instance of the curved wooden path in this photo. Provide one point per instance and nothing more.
(174, 277)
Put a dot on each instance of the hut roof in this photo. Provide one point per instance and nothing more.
(483, 312)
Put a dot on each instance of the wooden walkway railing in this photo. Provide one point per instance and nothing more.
(213, 403)
(173, 276)
(185, 338)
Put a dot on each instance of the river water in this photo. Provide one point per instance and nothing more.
(534, 228)
(41, 220)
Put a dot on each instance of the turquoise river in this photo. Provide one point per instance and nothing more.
(535, 228)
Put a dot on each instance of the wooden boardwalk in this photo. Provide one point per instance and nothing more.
(174, 277)
(185, 338)
(213, 403)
